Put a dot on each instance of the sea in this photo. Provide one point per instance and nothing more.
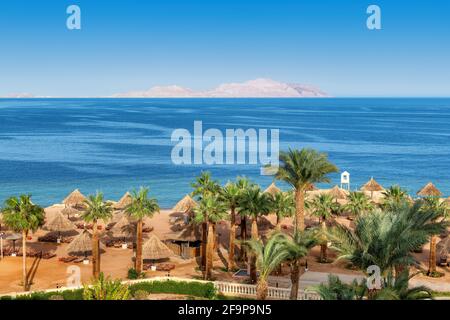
(49, 147)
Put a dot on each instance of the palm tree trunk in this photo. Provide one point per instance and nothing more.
(204, 244)
(300, 209)
(138, 261)
(243, 236)
(95, 252)
(323, 246)
(231, 261)
(432, 258)
(24, 260)
(209, 252)
(295, 279)
(262, 289)
(252, 257)
(278, 226)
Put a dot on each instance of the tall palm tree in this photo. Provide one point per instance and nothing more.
(301, 169)
(283, 205)
(386, 239)
(442, 209)
(322, 207)
(253, 204)
(231, 195)
(358, 203)
(212, 210)
(96, 209)
(141, 206)
(268, 257)
(297, 247)
(203, 186)
(21, 215)
(243, 184)
(393, 197)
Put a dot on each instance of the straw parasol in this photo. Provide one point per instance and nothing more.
(75, 199)
(187, 204)
(443, 247)
(338, 193)
(69, 211)
(124, 228)
(184, 232)
(272, 189)
(154, 249)
(59, 223)
(81, 245)
(123, 202)
(372, 186)
(429, 190)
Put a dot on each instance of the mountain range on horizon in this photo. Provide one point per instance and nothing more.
(258, 88)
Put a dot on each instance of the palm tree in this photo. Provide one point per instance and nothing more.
(297, 247)
(141, 206)
(243, 184)
(358, 203)
(96, 209)
(442, 209)
(21, 215)
(283, 205)
(393, 288)
(393, 197)
(268, 257)
(386, 239)
(322, 207)
(254, 203)
(301, 169)
(231, 195)
(204, 185)
(211, 210)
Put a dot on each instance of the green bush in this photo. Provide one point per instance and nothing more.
(133, 274)
(196, 289)
(141, 295)
(6, 298)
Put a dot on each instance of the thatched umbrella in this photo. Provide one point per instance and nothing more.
(69, 211)
(81, 245)
(155, 249)
(59, 223)
(272, 189)
(338, 193)
(183, 232)
(14, 237)
(443, 247)
(75, 199)
(123, 202)
(187, 204)
(429, 190)
(372, 186)
(124, 229)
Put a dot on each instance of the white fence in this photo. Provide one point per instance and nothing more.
(225, 288)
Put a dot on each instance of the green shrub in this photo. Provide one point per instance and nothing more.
(6, 298)
(197, 289)
(133, 274)
(106, 289)
(141, 295)
(56, 297)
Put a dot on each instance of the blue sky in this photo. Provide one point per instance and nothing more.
(133, 45)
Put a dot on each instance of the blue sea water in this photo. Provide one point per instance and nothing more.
(48, 147)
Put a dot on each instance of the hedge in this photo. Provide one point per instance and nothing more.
(196, 289)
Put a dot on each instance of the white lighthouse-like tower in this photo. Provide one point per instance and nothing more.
(345, 180)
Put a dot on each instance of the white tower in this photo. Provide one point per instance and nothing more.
(345, 180)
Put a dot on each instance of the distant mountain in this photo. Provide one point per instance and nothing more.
(258, 88)
(18, 95)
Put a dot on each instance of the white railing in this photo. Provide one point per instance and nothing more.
(225, 288)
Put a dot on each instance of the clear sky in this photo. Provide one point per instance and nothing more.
(133, 45)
